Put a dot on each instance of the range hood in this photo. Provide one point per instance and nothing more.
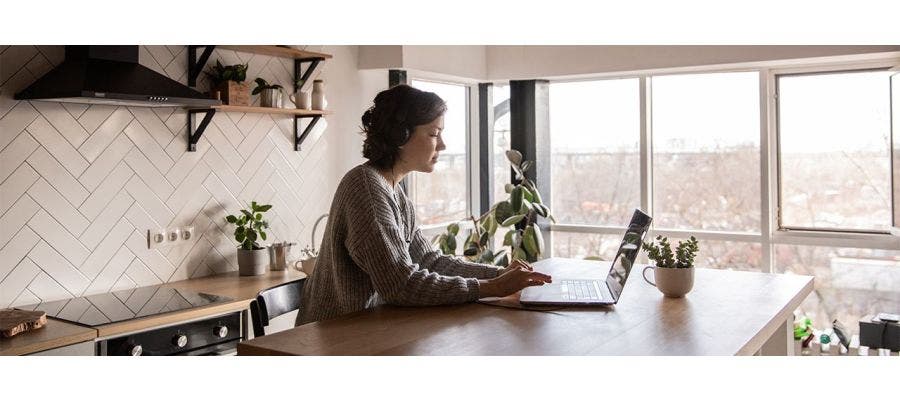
(111, 75)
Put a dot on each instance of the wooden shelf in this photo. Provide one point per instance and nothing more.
(277, 51)
(268, 110)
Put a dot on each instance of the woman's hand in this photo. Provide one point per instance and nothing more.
(516, 277)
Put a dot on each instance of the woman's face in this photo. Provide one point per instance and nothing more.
(420, 153)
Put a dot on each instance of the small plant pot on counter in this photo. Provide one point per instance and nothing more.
(253, 262)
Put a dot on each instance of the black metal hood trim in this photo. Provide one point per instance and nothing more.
(82, 78)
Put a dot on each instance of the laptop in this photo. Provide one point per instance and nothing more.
(595, 291)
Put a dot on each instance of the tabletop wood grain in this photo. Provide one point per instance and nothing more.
(727, 313)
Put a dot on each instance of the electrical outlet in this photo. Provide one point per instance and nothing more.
(156, 238)
(174, 235)
(187, 232)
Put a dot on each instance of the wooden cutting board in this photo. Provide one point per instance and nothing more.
(14, 322)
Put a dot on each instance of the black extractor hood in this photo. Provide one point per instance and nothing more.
(111, 75)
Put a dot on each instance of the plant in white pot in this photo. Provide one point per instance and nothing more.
(673, 272)
(269, 94)
(252, 257)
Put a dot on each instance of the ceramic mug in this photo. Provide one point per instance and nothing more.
(302, 100)
(672, 282)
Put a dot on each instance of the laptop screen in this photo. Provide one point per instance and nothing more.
(628, 251)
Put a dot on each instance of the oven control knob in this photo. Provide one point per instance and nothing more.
(180, 340)
(136, 350)
(221, 331)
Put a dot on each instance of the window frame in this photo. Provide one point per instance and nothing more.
(770, 233)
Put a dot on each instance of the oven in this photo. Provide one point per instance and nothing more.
(214, 336)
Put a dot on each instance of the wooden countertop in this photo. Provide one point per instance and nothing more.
(242, 289)
(55, 334)
(727, 313)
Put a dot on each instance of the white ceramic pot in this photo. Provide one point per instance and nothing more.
(270, 98)
(318, 95)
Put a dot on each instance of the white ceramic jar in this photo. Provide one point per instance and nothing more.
(318, 95)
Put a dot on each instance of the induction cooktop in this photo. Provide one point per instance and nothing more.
(123, 305)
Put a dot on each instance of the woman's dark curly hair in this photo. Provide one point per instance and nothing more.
(389, 123)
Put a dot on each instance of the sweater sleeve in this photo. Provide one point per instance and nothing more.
(423, 253)
(376, 244)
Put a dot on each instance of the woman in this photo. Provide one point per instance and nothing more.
(373, 252)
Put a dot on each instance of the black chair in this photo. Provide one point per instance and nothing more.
(273, 302)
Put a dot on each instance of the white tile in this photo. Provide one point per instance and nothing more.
(16, 185)
(284, 190)
(191, 208)
(216, 213)
(17, 280)
(14, 58)
(101, 225)
(255, 160)
(229, 129)
(153, 125)
(293, 180)
(192, 261)
(107, 160)
(225, 149)
(149, 174)
(165, 112)
(256, 135)
(177, 148)
(256, 182)
(54, 142)
(58, 237)
(186, 163)
(148, 201)
(102, 195)
(140, 219)
(223, 171)
(93, 116)
(15, 121)
(74, 309)
(60, 118)
(53, 202)
(26, 298)
(54, 53)
(177, 253)
(147, 60)
(59, 268)
(140, 274)
(47, 289)
(58, 176)
(151, 149)
(113, 270)
(123, 283)
(15, 154)
(161, 54)
(16, 249)
(154, 261)
(106, 249)
(17, 216)
(221, 194)
(187, 189)
(110, 128)
(77, 110)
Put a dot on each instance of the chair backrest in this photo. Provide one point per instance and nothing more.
(273, 302)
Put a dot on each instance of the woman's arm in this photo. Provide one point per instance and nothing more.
(377, 245)
(423, 253)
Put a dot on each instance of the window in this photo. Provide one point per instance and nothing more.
(501, 141)
(706, 151)
(595, 157)
(834, 147)
(442, 196)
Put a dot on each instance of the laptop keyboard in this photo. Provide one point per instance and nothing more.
(579, 290)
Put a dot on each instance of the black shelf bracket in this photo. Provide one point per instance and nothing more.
(299, 74)
(196, 65)
(298, 137)
(194, 136)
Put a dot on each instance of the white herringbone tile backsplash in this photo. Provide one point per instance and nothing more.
(81, 184)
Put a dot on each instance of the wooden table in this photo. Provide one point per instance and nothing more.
(727, 313)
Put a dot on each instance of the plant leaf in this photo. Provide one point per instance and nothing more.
(453, 229)
(514, 157)
(231, 219)
(451, 244)
(503, 211)
(508, 187)
(512, 220)
(508, 238)
(515, 198)
(265, 207)
(262, 235)
(258, 217)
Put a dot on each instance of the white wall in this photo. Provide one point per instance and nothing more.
(81, 184)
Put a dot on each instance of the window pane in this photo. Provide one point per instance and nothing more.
(849, 283)
(834, 138)
(595, 157)
(718, 254)
(501, 141)
(441, 195)
(706, 152)
(581, 245)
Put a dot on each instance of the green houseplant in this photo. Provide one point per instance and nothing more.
(228, 81)
(250, 226)
(673, 271)
(519, 212)
(269, 94)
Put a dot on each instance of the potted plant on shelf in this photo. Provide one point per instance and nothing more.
(673, 272)
(228, 82)
(252, 257)
(519, 212)
(269, 95)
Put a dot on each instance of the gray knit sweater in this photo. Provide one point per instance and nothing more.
(374, 253)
